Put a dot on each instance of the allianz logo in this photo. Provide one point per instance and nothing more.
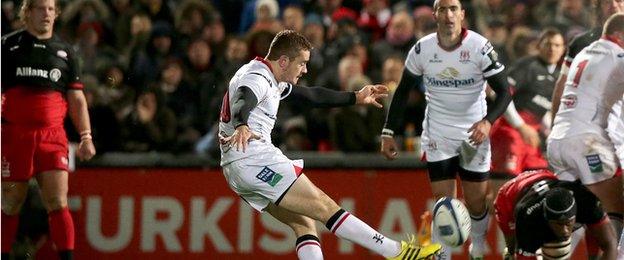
(448, 78)
(53, 74)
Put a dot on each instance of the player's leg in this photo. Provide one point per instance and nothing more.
(305, 198)
(308, 245)
(474, 174)
(442, 178)
(54, 186)
(610, 192)
(13, 197)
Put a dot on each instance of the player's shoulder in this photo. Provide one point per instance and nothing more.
(58, 43)
(426, 43)
(13, 37)
(525, 62)
(257, 72)
(477, 41)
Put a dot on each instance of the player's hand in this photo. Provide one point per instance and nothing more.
(86, 150)
(480, 131)
(369, 95)
(529, 135)
(389, 147)
(240, 138)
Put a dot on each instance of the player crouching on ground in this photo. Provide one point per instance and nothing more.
(536, 211)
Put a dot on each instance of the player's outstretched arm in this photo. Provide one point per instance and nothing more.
(394, 119)
(605, 237)
(79, 113)
(324, 97)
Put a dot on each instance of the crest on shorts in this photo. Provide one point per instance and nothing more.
(269, 176)
(6, 167)
(594, 162)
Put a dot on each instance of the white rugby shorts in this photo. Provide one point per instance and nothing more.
(588, 157)
(260, 181)
(438, 148)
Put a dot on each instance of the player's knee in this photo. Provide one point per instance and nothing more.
(326, 207)
(55, 202)
(12, 206)
(304, 226)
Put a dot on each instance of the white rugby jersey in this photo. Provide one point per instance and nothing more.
(593, 86)
(454, 81)
(257, 76)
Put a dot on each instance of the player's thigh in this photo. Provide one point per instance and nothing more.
(302, 225)
(442, 177)
(54, 186)
(609, 192)
(18, 148)
(305, 198)
(13, 196)
(260, 182)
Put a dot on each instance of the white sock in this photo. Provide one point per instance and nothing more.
(616, 222)
(309, 248)
(577, 235)
(446, 251)
(478, 230)
(349, 227)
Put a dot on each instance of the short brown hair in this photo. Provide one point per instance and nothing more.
(547, 33)
(289, 43)
(28, 4)
(614, 24)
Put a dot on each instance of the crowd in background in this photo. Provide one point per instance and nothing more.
(155, 71)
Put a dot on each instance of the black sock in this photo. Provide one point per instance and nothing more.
(307, 237)
(330, 223)
(66, 255)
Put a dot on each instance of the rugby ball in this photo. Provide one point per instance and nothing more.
(451, 221)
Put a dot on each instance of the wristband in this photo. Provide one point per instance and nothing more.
(387, 132)
(84, 137)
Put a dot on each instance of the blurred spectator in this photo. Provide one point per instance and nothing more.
(497, 33)
(151, 126)
(191, 17)
(140, 32)
(121, 27)
(145, 64)
(374, 18)
(356, 129)
(398, 41)
(183, 101)
(486, 11)
(295, 136)
(314, 31)
(266, 13)
(293, 18)
(116, 93)
(79, 12)
(424, 23)
(391, 75)
(207, 79)
(236, 55)
(106, 130)
(570, 13)
(214, 33)
(92, 52)
(157, 10)
(9, 17)
(259, 42)
(522, 42)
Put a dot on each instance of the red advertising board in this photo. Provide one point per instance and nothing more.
(192, 214)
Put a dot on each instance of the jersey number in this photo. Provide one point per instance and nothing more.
(225, 108)
(579, 71)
